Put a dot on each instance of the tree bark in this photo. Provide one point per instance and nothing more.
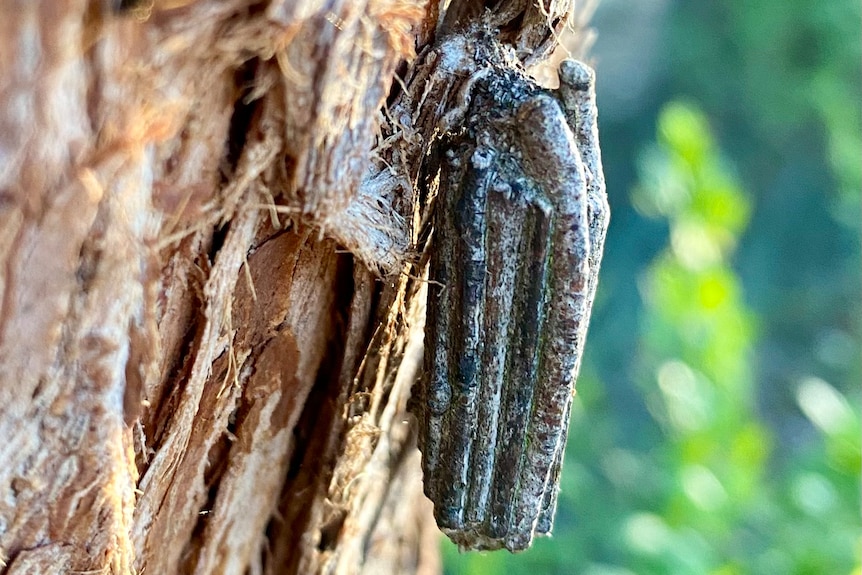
(191, 381)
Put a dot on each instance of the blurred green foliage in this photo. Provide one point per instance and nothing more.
(716, 428)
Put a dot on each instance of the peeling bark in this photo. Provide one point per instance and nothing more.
(196, 376)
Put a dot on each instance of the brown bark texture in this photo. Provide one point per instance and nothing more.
(201, 370)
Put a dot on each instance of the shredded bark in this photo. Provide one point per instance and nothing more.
(198, 371)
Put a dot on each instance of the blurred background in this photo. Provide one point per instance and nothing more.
(716, 428)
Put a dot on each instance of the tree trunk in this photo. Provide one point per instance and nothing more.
(192, 381)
